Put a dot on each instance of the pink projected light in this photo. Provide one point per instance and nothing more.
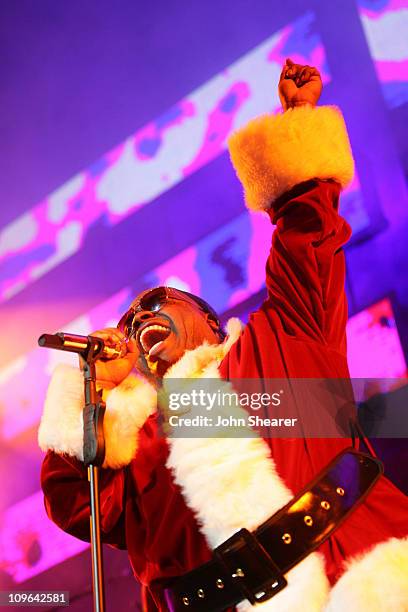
(23, 383)
(21, 404)
(156, 158)
(371, 333)
(30, 543)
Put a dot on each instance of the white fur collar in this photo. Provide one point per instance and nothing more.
(194, 363)
(232, 483)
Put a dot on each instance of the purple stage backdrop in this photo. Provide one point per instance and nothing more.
(115, 177)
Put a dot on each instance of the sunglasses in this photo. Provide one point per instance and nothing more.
(153, 300)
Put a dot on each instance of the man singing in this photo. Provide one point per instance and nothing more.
(171, 502)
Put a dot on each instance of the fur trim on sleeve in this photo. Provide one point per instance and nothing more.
(127, 407)
(375, 581)
(272, 154)
(61, 428)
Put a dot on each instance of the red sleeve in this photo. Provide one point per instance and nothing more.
(305, 271)
(64, 481)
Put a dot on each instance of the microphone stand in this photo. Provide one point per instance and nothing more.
(94, 452)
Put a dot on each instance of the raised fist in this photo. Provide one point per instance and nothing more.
(299, 85)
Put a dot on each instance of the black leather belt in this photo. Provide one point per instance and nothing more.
(252, 565)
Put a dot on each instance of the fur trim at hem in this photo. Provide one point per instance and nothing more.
(375, 581)
(272, 154)
(127, 407)
(307, 589)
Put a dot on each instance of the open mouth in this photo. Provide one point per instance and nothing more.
(151, 338)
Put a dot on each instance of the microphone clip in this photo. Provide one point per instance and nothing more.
(94, 409)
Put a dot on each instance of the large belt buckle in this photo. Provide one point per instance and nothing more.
(251, 568)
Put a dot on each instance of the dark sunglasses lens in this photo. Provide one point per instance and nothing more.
(153, 300)
(125, 323)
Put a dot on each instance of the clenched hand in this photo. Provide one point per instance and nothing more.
(299, 85)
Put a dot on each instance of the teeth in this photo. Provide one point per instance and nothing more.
(157, 327)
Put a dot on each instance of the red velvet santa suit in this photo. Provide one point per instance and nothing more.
(170, 502)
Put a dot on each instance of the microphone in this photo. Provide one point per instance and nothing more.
(80, 344)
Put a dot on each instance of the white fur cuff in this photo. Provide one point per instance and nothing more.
(127, 407)
(272, 154)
